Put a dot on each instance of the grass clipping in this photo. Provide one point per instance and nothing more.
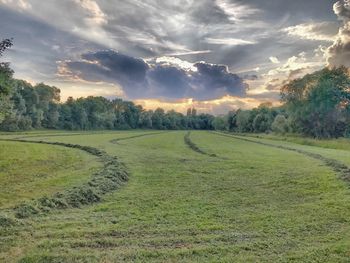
(109, 178)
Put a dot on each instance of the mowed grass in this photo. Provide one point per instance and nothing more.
(33, 170)
(340, 143)
(248, 203)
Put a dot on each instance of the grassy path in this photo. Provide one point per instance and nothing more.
(255, 204)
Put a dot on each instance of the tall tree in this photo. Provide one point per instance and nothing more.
(319, 103)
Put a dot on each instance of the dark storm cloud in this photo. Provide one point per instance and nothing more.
(155, 80)
(111, 67)
(125, 67)
(169, 81)
(217, 81)
(250, 77)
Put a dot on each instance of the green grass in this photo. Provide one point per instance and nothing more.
(248, 203)
(340, 143)
(31, 170)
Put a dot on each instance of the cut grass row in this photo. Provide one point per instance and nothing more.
(116, 141)
(194, 147)
(112, 175)
(29, 171)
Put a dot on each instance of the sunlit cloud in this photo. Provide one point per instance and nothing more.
(169, 61)
(216, 106)
(236, 12)
(274, 60)
(322, 31)
(229, 41)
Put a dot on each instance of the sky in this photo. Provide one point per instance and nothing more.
(215, 55)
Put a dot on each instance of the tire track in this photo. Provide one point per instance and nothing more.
(338, 167)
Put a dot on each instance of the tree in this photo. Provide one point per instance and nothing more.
(243, 119)
(319, 103)
(232, 121)
(5, 81)
(219, 123)
(158, 119)
(280, 124)
(146, 120)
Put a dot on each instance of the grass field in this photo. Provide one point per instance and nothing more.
(191, 197)
(340, 143)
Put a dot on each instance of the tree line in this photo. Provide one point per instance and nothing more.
(316, 105)
(36, 107)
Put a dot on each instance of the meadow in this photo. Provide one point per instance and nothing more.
(177, 196)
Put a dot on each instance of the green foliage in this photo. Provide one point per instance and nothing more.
(38, 107)
(280, 124)
(243, 120)
(5, 82)
(319, 103)
(219, 123)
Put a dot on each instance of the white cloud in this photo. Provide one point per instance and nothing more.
(190, 52)
(294, 67)
(323, 31)
(236, 12)
(338, 54)
(21, 4)
(94, 12)
(274, 60)
(229, 41)
(83, 18)
(169, 61)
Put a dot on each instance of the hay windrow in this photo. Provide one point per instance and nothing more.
(116, 141)
(194, 147)
(109, 178)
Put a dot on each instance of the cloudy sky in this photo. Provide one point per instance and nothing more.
(215, 55)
